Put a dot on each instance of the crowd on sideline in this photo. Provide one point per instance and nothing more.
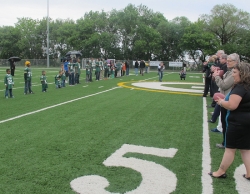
(225, 74)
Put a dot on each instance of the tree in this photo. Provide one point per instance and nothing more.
(197, 38)
(8, 42)
(226, 21)
(61, 32)
(171, 34)
(30, 43)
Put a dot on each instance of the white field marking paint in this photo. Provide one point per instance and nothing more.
(197, 87)
(194, 76)
(155, 177)
(100, 86)
(206, 158)
(56, 105)
(160, 86)
(242, 184)
(206, 180)
(85, 86)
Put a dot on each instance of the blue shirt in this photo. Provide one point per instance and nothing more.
(66, 65)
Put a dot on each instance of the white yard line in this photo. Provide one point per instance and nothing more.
(49, 107)
(197, 87)
(206, 180)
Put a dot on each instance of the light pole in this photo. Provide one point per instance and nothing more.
(47, 33)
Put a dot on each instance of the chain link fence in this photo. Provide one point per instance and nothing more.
(56, 63)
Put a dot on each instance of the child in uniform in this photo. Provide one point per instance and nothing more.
(87, 73)
(63, 77)
(58, 80)
(43, 80)
(9, 83)
(27, 78)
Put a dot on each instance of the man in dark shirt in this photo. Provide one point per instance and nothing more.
(12, 67)
(136, 67)
(142, 66)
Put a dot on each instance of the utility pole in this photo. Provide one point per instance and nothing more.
(47, 33)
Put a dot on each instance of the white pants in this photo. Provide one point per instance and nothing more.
(219, 126)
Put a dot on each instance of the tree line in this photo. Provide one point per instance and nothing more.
(130, 33)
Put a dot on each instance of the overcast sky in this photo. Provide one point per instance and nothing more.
(75, 9)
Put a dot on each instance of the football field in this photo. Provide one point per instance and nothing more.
(131, 134)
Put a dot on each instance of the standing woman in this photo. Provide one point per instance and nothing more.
(12, 67)
(237, 103)
(136, 67)
(225, 86)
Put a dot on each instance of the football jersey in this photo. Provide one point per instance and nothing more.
(71, 67)
(8, 80)
(58, 79)
(88, 70)
(97, 67)
(27, 70)
(43, 79)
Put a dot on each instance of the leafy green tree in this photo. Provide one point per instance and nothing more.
(90, 34)
(147, 40)
(171, 34)
(29, 43)
(61, 32)
(226, 21)
(9, 37)
(197, 38)
(126, 21)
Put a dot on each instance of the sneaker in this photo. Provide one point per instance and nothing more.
(12, 97)
(215, 130)
(219, 145)
(211, 121)
(25, 93)
(6, 97)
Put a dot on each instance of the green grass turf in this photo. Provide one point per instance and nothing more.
(43, 152)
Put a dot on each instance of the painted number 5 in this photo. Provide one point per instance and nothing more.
(155, 178)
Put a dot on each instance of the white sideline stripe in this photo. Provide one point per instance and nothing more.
(49, 107)
(194, 76)
(206, 180)
(197, 87)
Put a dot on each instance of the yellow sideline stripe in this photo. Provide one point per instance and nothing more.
(123, 84)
